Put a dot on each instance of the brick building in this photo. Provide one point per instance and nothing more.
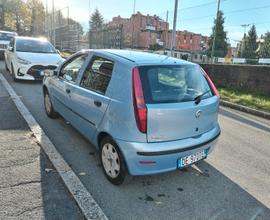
(186, 40)
(147, 30)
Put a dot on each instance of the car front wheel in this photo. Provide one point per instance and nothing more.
(113, 163)
(13, 73)
(48, 106)
(6, 67)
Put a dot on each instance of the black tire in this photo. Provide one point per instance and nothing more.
(51, 113)
(120, 178)
(13, 74)
(6, 66)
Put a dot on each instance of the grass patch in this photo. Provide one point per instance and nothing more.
(246, 98)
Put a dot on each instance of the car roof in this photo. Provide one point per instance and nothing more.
(31, 38)
(144, 58)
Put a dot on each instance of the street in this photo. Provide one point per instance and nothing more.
(232, 183)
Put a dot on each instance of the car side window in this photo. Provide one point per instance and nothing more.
(71, 70)
(97, 74)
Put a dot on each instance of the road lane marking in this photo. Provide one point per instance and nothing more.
(85, 201)
(245, 117)
(258, 211)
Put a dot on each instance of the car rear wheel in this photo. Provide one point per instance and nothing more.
(48, 106)
(112, 161)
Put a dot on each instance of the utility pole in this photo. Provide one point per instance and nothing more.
(166, 33)
(89, 33)
(215, 33)
(243, 44)
(132, 33)
(53, 23)
(174, 26)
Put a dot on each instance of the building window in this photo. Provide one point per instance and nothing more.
(175, 54)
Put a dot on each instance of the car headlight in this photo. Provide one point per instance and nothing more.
(23, 61)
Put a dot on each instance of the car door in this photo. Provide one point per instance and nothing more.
(62, 86)
(90, 98)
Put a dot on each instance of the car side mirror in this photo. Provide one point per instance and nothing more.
(10, 48)
(67, 77)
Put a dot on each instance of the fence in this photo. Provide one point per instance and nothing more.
(106, 38)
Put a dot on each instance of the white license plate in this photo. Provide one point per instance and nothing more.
(185, 161)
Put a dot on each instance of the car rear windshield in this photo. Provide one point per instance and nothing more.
(34, 46)
(174, 83)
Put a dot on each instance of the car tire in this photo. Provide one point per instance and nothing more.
(6, 67)
(112, 161)
(51, 113)
(13, 74)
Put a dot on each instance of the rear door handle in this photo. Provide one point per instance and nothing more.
(68, 91)
(97, 103)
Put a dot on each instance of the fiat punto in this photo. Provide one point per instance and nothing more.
(146, 113)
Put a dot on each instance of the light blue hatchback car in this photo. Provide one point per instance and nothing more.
(146, 113)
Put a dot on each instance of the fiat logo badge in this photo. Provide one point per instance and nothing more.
(198, 113)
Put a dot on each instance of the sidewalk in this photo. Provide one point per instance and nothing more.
(30, 188)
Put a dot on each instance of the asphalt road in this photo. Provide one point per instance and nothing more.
(233, 183)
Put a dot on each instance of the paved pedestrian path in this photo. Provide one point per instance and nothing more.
(30, 188)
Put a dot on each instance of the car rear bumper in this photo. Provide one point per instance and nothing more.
(139, 157)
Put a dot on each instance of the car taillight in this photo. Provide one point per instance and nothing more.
(212, 85)
(140, 110)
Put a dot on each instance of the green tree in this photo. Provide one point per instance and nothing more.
(250, 44)
(96, 21)
(221, 45)
(265, 48)
(17, 16)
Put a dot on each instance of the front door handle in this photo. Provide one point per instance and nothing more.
(68, 91)
(97, 103)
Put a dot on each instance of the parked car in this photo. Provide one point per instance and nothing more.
(26, 58)
(146, 113)
(5, 37)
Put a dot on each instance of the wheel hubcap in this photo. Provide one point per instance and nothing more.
(47, 103)
(110, 160)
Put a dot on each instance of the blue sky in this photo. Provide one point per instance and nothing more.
(193, 15)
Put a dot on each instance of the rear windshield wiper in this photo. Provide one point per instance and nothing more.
(198, 98)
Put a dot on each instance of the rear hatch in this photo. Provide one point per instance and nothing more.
(180, 101)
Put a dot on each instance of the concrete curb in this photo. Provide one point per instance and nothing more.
(252, 111)
(88, 206)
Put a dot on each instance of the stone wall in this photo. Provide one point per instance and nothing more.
(248, 77)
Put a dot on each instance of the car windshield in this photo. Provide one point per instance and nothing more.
(6, 36)
(34, 46)
(176, 83)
